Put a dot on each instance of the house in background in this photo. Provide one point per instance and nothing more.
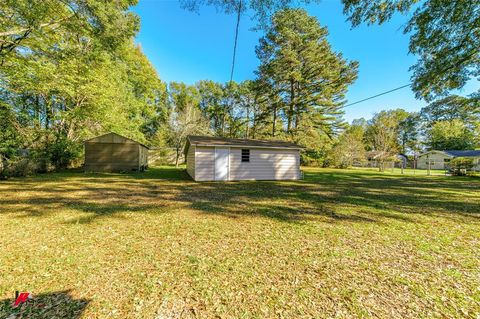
(397, 160)
(227, 159)
(115, 153)
(439, 159)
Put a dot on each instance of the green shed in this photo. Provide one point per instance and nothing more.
(115, 153)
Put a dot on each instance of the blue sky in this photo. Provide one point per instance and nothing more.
(187, 46)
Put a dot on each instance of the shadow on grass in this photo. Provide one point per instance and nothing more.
(59, 304)
(334, 195)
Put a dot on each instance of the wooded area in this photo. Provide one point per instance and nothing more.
(70, 70)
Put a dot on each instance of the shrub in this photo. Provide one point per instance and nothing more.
(63, 152)
(461, 165)
(18, 167)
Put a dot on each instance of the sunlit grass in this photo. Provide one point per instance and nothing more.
(345, 243)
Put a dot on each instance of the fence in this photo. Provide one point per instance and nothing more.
(404, 167)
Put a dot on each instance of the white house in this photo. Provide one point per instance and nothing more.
(439, 159)
(227, 159)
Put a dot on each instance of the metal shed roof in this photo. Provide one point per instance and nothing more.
(97, 139)
(223, 141)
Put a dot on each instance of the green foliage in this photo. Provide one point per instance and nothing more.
(383, 134)
(71, 71)
(461, 165)
(32, 26)
(62, 152)
(262, 9)
(450, 135)
(185, 119)
(452, 123)
(451, 108)
(409, 132)
(444, 34)
(10, 139)
(301, 79)
(349, 147)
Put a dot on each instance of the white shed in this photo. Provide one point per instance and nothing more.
(227, 159)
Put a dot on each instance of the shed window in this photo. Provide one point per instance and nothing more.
(245, 155)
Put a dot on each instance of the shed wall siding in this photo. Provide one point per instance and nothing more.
(204, 163)
(265, 164)
(191, 161)
(111, 156)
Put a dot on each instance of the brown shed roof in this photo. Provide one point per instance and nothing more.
(223, 141)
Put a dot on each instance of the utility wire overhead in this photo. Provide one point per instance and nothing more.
(377, 95)
(236, 39)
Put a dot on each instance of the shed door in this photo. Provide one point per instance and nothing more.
(222, 156)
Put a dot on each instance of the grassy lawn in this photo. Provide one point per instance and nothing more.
(341, 243)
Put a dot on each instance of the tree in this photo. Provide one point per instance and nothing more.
(452, 123)
(71, 70)
(450, 135)
(211, 95)
(23, 22)
(262, 9)
(452, 107)
(186, 117)
(382, 135)
(304, 79)
(349, 147)
(10, 139)
(444, 34)
(409, 132)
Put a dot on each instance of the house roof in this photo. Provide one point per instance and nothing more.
(222, 141)
(99, 138)
(467, 153)
(456, 153)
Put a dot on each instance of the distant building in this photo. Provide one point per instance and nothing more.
(439, 159)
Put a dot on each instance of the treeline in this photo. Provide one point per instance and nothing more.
(450, 123)
(70, 70)
(297, 95)
(73, 73)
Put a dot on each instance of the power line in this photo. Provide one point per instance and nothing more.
(377, 95)
(236, 39)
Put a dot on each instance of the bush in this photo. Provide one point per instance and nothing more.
(316, 158)
(63, 152)
(18, 167)
(461, 165)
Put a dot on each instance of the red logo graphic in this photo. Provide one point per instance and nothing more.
(21, 298)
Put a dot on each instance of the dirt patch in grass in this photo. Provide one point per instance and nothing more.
(341, 243)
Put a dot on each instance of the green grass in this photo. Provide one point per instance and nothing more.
(341, 243)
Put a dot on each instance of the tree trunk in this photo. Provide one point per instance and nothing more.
(274, 120)
(223, 124)
(248, 122)
(297, 118)
(292, 106)
(177, 157)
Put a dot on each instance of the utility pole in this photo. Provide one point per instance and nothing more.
(429, 164)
